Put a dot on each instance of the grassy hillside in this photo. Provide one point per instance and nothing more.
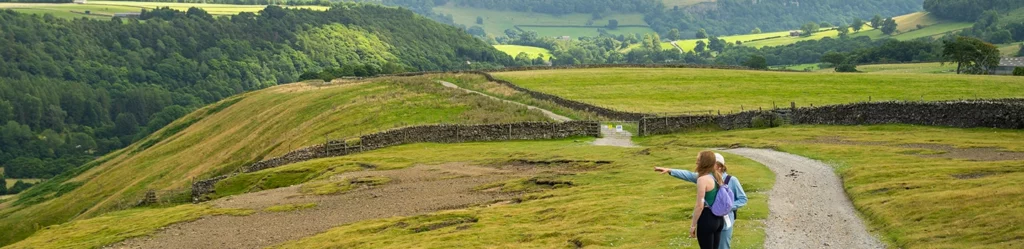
(1009, 50)
(514, 50)
(690, 90)
(496, 22)
(106, 9)
(241, 130)
(918, 187)
(907, 30)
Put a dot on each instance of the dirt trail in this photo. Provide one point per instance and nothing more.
(807, 205)
(547, 113)
(412, 191)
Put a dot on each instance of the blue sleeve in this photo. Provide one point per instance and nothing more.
(687, 175)
(737, 190)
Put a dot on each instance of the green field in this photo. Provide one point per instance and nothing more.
(514, 50)
(801, 67)
(770, 39)
(683, 3)
(912, 68)
(244, 129)
(574, 32)
(902, 180)
(664, 90)
(496, 22)
(10, 182)
(1009, 50)
(106, 9)
(932, 27)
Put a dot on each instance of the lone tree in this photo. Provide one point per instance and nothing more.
(702, 34)
(971, 55)
(809, 28)
(756, 62)
(843, 63)
(480, 20)
(857, 25)
(876, 21)
(844, 31)
(889, 26)
(613, 24)
(756, 30)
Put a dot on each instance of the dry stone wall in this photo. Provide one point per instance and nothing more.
(442, 133)
(1002, 113)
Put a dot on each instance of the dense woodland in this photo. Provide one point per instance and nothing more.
(75, 89)
(968, 10)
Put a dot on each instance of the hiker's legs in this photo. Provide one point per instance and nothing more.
(726, 237)
(709, 230)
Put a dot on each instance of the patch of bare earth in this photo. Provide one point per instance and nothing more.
(942, 150)
(411, 191)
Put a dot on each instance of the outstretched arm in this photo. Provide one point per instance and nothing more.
(684, 175)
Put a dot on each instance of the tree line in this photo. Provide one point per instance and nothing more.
(71, 90)
(968, 10)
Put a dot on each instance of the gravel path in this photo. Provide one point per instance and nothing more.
(807, 205)
(550, 114)
(611, 137)
(412, 191)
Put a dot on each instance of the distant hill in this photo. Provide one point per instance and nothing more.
(71, 90)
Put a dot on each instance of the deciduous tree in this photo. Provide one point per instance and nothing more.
(971, 55)
(613, 24)
(889, 26)
(876, 21)
(756, 62)
(858, 24)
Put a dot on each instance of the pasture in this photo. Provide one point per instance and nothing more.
(106, 9)
(514, 50)
(761, 40)
(496, 22)
(917, 187)
(576, 32)
(666, 90)
(684, 3)
(10, 181)
(912, 68)
(1010, 50)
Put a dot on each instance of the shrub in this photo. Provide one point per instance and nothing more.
(846, 68)
(1018, 71)
(766, 121)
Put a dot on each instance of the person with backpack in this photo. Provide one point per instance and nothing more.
(739, 200)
